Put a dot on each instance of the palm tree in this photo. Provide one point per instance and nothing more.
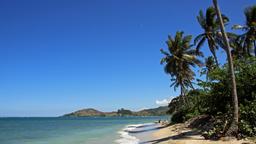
(178, 61)
(233, 129)
(210, 24)
(237, 48)
(249, 37)
(209, 66)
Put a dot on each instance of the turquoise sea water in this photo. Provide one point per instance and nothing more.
(64, 130)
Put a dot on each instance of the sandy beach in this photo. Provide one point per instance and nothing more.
(181, 134)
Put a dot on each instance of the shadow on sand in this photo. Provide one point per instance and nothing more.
(184, 135)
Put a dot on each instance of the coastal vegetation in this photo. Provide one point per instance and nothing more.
(225, 90)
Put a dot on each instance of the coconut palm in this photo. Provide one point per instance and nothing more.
(178, 61)
(237, 48)
(235, 43)
(209, 66)
(210, 23)
(249, 37)
(233, 129)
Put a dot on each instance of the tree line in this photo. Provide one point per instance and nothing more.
(228, 93)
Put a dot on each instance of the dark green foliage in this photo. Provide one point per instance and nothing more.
(248, 39)
(195, 106)
(123, 112)
(219, 96)
(215, 99)
(248, 118)
(210, 24)
(218, 126)
(180, 116)
(209, 66)
(213, 96)
(246, 77)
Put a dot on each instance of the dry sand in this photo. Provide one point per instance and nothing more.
(181, 134)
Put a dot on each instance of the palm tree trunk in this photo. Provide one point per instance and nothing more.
(216, 60)
(233, 129)
(248, 48)
(207, 76)
(244, 50)
(254, 43)
(182, 94)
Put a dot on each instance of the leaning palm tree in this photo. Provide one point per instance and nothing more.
(249, 37)
(210, 23)
(178, 61)
(233, 129)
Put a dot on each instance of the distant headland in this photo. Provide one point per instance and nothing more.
(90, 112)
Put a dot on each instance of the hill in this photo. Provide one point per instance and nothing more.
(90, 112)
(152, 112)
(86, 112)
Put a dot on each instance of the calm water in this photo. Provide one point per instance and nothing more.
(66, 130)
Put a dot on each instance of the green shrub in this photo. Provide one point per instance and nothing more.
(179, 117)
(215, 99)
(247, 124)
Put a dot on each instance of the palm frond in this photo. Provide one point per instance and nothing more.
(198, 62)
(225, 20)
(163, 60)
(198, 38)
(164, 52)
(201, 19)
(219, 41)
(210, 16)
(200, 44)
(195, 52)
(186, 40)
(250, 14)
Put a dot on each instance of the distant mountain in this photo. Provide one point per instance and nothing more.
(86, 112)
(152, 112)
(90, 112)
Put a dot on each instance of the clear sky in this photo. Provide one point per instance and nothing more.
(57, 56)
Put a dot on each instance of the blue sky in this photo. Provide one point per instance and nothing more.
(57, 56)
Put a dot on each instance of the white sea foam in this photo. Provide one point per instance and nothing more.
(126, 138)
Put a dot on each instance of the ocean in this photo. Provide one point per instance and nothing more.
(68, 130)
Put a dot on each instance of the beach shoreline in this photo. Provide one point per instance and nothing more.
(178, 134)
(161, 132)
